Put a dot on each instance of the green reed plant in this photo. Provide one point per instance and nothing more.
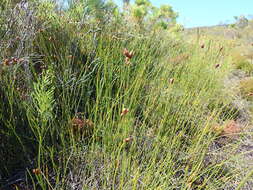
(92, 116)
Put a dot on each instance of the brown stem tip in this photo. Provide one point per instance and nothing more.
(128, 54)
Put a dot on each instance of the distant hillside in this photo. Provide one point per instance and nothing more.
(240, 34)
(237, 31)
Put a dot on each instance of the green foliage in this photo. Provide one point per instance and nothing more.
(140, 10)
(96, 104)
(145, 3)
(43, 97)
(95, 6)
(164, 17)
(242, 63)
(246, 87)
(153, 17)
(4, 4)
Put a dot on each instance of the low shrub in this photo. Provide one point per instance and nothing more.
(93, 103)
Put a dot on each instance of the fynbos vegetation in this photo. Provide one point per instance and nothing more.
(93, 96)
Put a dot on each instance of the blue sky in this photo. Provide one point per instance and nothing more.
(195, 13)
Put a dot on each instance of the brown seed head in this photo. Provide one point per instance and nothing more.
(124, 112)
(6, 62)
(36, 171)
(172, 80)
(217, 66)
(77, 123)
(128, 54)
(15, 60)
(127, 140)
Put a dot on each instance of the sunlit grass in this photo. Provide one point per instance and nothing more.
(91, 106)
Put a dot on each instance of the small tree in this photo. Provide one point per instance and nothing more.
(163, 16)
(153, 17)
(140, 10)
(241, 21)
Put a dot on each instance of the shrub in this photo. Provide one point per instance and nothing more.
(246, 87)
(96, 103)
(242, 63)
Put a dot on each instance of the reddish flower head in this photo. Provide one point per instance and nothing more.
(128, 54)
(124, 112)
(217, 66)
(36, 171)
(127, 140)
